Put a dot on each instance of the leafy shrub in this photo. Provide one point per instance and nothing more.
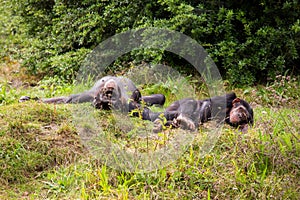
(250, 41)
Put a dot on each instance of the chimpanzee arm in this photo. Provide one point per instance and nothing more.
(205, 111)
(74, 98)
(220, 106)
(81, 98)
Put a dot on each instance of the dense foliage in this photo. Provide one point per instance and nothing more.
(250, 41)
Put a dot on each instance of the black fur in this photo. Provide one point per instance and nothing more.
(191, 113)
(120, 93)
(102, 97)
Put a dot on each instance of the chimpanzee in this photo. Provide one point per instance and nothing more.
(107, 92)
(189, 113)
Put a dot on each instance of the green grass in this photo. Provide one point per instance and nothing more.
(42, 157)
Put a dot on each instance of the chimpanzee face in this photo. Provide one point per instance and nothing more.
(109, 91)
(107, 96)
(239, 114)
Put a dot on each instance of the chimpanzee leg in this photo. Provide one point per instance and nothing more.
(154, 99)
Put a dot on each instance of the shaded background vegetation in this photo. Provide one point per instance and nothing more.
(251, 42)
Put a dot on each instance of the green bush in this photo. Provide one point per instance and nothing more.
(249, 41)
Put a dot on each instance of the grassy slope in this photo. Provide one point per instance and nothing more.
(43, 157)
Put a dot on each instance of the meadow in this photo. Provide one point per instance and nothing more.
(44, 157)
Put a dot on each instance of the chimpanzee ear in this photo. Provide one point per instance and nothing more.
(236, 100)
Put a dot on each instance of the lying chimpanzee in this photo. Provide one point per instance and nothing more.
(189, 113)
(108, 92)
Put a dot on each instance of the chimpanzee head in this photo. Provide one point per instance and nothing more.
(241, 113)
(108, 95)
